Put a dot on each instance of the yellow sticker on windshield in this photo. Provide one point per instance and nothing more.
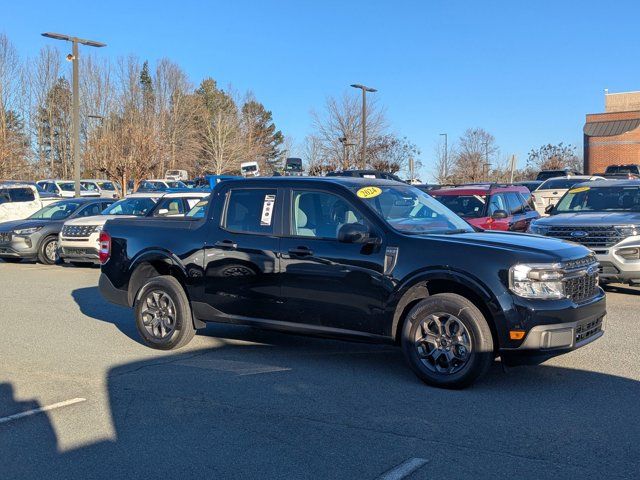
(579, 189)
(369, 192)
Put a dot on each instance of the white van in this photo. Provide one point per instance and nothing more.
(176, 175)
(250, 169)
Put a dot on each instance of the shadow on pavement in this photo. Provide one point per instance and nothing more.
(295, 407)
(93, 305)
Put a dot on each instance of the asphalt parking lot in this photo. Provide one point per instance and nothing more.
(242, 403)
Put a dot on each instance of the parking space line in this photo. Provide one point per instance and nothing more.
(403, 470)
(35, 411)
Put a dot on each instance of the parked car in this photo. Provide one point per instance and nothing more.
(21, 200)
(36, 237)
(490, 206)
(547, 174)
(104, 188)
(78, 242)
(293, 167)
(355, 258)
(161, 185)
(621, 172)
(605, 217)
(176, 175)
(530, 184)
(65, 188)
(551, 190)
(365, 174)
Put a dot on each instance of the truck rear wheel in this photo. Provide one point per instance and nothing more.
(163, 314)
(447, 341)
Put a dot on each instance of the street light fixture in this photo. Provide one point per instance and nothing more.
(364, 120)
(73, 57)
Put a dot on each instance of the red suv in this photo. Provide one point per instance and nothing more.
(490, 206)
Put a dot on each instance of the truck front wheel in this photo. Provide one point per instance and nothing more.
(163, 314)
(447, 341)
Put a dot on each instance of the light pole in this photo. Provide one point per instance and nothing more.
(75, 96)
(364, 120)
(446, 154)
(345, 151)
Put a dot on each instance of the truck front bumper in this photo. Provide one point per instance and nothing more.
(551, 336)
(614, 268)
(79, 249)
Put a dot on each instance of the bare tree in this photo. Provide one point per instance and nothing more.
(554, 157)
(475, 151)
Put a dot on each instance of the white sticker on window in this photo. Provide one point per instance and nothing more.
(267, 210)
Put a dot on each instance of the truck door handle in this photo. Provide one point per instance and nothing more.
(226, 244)
(300, 251)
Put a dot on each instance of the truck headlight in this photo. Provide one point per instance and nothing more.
(542, 281)
(539, 229)
(26, 231)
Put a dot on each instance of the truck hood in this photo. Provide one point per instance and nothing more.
(520, 244)
(20, 224)
(590, 219)
(99, 220)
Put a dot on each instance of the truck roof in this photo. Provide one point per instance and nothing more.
(346, 181)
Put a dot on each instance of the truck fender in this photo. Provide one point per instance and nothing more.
(416, 287)
(139, 273)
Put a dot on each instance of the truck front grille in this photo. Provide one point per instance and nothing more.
(5, 237)
(582, 288)
(588, 329)
(74, 231)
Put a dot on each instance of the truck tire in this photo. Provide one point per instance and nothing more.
(447, 341)
(47, 253)
(163, 314)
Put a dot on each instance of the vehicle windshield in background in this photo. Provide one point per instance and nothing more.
(131, 206)
(614, 169)
(599, 199)
(199, 209)
(250, 168)
(106, 186)
(561, 183)
(56, 211)
(16, 195)
(176, 184)
(71, 186)
(410, 210)
(466, 206)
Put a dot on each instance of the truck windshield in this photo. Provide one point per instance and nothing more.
(600, 199)
(410, 210)
(131, 206)
(56, 211)
(466, 206)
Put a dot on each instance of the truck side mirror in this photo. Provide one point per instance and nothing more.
(354, 233)
(499, 214)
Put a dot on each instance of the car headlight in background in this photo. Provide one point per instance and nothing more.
(26, 231)
(628, 230)
(542, 281)
(539, 229)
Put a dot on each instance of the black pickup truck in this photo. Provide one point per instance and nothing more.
(355, 258)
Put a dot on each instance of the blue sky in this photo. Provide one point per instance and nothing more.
(525, 71)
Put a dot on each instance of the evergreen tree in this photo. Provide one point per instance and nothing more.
(261, 135)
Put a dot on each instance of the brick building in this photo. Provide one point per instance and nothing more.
(613, 137)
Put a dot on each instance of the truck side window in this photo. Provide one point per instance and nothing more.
(251, 210)
(516, 206)
(496, 203)
(320, 214)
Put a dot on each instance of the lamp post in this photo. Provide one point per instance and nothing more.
(446, 154)
(364, 89)
(75, 96)
(345, 151)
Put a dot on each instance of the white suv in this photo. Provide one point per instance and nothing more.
(78, 241)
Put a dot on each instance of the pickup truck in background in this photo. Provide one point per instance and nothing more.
(354, 258)
(21, 200)
(621, 172)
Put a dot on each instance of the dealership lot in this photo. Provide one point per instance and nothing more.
(238, 402)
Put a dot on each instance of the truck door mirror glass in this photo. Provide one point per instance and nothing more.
(499, 214)
(354, 233)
